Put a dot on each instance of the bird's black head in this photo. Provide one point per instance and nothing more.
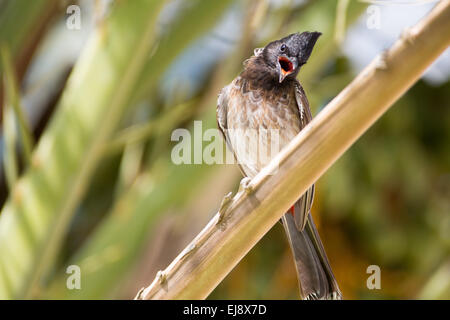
(285, 56)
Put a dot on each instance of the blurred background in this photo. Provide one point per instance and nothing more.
(92, 91)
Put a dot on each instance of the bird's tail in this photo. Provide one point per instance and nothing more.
(316, 280)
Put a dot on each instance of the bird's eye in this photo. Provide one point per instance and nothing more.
(283, 48)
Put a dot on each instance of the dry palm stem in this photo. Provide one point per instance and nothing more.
(244, 219)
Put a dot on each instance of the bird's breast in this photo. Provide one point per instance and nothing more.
(260, 122)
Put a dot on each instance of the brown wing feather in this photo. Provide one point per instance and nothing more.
(302, 207)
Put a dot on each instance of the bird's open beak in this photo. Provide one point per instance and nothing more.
(285, 67)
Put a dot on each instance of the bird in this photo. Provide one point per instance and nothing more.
(267, 97)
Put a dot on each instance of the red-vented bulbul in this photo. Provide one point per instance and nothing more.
(267, 96)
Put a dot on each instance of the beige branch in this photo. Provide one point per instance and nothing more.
(244, 219)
